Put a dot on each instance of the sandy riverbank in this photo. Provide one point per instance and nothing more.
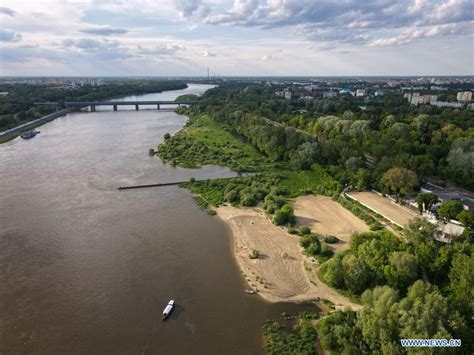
(327, 217)
(279, 273)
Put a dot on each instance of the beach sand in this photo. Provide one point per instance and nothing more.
(279, 273)
(327, 217)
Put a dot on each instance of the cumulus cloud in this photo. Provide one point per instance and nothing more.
(9, 36)
(352, 21)
(6, 11)
(104, 31)
(208, 54)
(161, 50)
(412, 34)
(103, 49)
(192, 8)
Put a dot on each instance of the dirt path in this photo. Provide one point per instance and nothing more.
(399, 214)
(325, 216)
(279, 273)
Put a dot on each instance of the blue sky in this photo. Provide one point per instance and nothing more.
(237, 37)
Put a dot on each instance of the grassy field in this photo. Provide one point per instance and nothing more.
(203, 142)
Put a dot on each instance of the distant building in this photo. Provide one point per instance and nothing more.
(417, 99)
(360, 92)
(345, 91)
(4, 93)
(448, 104)
(379, 93)
(464, 96)
(285, 93)
(329, 94)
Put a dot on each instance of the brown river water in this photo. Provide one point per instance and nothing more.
(88, 269)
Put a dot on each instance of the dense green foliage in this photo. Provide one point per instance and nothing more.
(205, 142)
(300, 341)
(389, 133)
(18, 106)
(395, 269)
(424, 313)
(449, 209)
(425, 201)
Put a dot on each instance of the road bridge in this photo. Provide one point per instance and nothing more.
(115, 104)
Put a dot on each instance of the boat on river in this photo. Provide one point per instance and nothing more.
(251, 292)
(169, 307)
(29, 134)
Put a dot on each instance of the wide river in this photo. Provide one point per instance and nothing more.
(88, 269)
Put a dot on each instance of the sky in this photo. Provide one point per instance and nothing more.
(236, 37)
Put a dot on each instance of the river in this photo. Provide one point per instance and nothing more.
(85, 268)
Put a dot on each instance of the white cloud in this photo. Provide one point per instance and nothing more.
(9, 36)
(208, 54)
(6, 11)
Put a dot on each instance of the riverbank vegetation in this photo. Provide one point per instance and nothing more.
(17, 107)
(411, 285)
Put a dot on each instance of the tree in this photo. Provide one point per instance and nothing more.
(426, 200)
(461, 278)
(400, 180)
(283, 216)
(449, 209)
(402, 271)
(356, 273)
(461, 157)
(466, 218)
(419, 230)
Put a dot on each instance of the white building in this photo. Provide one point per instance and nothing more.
(464, 96)
(448, 104)
(360, 92)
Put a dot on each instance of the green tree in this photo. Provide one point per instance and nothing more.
(461, 285)
(466, 218)
(402, 270)
(426, 200)
(400, 180)
(450, 209)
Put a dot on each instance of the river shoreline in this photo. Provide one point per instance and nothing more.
(279, 273)
(13, 132)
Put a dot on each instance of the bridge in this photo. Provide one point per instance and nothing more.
(115, 104)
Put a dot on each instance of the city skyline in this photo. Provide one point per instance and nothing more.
(241, 37)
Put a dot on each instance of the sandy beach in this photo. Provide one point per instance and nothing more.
(327, 217)
(279, 273)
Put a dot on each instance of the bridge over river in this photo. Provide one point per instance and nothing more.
(115, 104)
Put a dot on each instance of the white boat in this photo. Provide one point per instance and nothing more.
(250, 292)
(168, 309)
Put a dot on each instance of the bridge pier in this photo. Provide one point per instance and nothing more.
(115, 107)
(158, 106)
(92, 108)
(136, 107)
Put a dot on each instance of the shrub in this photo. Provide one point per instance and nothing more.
(248, 200)
(292, 230)
(311, 243)
(232, 196)
(283, 216)
(325, 250)
(304, 230)
(331, 239)
(376, 226)
(167, 136)
(254, 254)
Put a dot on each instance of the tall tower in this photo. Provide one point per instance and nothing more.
(208, 73)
